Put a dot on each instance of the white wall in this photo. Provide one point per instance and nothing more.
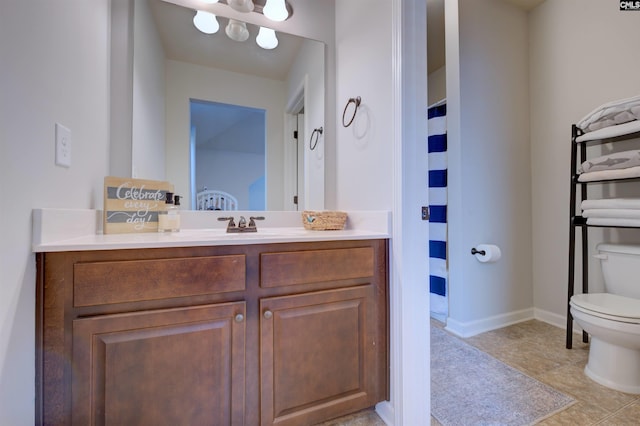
(54, 69)
(582, 55)
(489, 162)
(186, 81)
(364, 151)
(147, 151)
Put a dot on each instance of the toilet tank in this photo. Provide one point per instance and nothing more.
(620, 268)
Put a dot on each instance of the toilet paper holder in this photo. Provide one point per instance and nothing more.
(480, 252)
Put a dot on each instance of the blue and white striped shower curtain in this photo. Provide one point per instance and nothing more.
(437, 159)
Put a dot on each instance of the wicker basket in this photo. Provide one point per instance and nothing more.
(324, 220)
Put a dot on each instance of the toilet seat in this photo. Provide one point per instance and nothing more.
(608, 306)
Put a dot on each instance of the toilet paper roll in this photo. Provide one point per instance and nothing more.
(491, 254)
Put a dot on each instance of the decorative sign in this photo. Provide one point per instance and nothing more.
(132, 205)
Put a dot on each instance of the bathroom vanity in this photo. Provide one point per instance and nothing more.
(189, 329)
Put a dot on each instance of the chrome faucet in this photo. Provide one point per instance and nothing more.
(252, 220)
(242, 224)
(231, 225)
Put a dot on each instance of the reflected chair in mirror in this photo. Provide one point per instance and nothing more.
(210, 199)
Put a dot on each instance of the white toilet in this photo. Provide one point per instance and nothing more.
(612, 319)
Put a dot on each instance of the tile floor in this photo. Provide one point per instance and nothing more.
(538, 349)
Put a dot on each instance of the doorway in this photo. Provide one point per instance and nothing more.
(228, 145)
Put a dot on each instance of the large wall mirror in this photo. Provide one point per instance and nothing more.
(179, 72)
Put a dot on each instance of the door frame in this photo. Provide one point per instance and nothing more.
(292, 185)
(409, 254)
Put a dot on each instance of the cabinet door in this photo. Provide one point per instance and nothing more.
(318, 355)
(182, 366)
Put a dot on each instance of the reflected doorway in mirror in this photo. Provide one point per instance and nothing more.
(228, 144)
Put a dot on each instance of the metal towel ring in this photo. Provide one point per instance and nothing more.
(356, 102)
(316, 132)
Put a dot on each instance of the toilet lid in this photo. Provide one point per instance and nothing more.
(608, 305)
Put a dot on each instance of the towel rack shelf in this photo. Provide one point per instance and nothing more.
(582, 221)
(579, 156)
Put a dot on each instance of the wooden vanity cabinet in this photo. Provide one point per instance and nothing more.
(290, 334)
(323, 353)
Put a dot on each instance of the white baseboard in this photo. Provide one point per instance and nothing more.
(552, 318)
(439, 317)
(468, 329)
(471, 328)
(386, 412)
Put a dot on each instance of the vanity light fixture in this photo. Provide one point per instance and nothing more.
(206, 22)
(276, 10)
(267, 38)
(237, 30)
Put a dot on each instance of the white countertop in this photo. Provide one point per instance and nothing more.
(73, 230)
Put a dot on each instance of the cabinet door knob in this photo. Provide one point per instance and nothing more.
(239, 318)
(268, 314)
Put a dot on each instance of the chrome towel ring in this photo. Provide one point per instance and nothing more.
(313, 143)
(356, 103)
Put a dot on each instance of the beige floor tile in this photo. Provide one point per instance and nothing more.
(579, 413)
(554, 349)
(571, 380)
(626, 416)
(495, 338)
(525, 358)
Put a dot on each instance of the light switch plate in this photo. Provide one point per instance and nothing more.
(63, 146)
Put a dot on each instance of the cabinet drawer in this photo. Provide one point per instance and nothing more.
(101, 283)
(312, 266)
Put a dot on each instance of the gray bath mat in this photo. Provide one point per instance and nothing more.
(470, 387)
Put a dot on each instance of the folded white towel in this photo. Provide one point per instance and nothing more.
(613, 120)
(612, 213)
(630, 172)
(610, 132)
(611, 203)
(613, 161)
(609, 221)
(611, 113)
